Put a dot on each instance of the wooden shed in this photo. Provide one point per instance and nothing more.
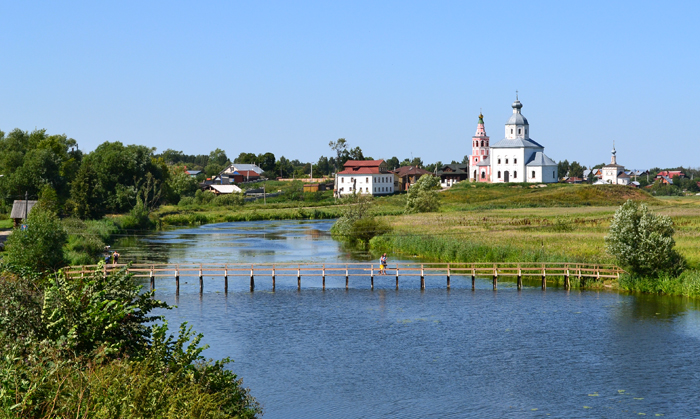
(21, 210)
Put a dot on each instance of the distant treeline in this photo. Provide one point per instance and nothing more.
(117, 178)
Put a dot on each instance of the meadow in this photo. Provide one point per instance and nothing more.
(566, 223)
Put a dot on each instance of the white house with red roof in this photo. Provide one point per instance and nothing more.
(370, 177)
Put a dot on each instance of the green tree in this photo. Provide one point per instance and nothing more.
(341, 150)
(393, 163)
(422, 196)
(40, 246)
(642, 242)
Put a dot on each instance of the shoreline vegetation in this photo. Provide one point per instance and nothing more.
(475, 223)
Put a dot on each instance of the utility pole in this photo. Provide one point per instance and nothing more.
(264, 195)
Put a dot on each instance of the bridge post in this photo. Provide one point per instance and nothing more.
(495, 277)
(520, 277)
(371, 277)
(544, 277)
(177, 279)
(226, 279)
(273, 277)
(347, 277)
(153, 280)
(422, 277)
(298, 277)
(82, 271)
(201, 280)
(473, 276)
(448, 276)
(324, 276)
(252, 279)
(567, 283)
(397, 276)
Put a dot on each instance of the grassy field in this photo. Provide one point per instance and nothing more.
(488, 223)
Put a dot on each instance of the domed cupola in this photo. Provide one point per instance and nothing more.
(517, 125)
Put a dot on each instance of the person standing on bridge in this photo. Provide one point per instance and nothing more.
(382, 265)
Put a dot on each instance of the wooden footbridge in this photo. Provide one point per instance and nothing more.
(406, 271)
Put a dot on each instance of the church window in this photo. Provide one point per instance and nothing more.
(499, 174)
(474, 174)
(520, 131)
(515, 161)
(533, 174)
(506, 161)
(553, 174)
(483, 175)
(515, 175)
(511, 130)
(482, 143)
(499, 162)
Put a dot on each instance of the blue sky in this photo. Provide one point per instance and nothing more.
(395, 78)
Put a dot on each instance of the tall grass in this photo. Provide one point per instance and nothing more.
(453, 249)
(686, 284)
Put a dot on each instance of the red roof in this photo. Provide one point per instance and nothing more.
(410, 170)
(363, 163)
(363, 167)
(246, 173)
(670, 173)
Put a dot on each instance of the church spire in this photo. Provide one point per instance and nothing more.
(613, 159)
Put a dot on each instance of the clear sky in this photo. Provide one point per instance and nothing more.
(395, 78)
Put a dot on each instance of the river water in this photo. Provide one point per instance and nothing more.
(410, 353)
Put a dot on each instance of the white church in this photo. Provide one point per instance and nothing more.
(516, 158)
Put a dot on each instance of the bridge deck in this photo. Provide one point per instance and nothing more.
(347, 270)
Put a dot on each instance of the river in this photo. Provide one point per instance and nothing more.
(408, 353)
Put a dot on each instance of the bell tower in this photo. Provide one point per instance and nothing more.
(480, 150)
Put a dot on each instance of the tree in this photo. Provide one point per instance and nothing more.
(393, 163)
(358, 224)
(356, 154)
(39, 247)
(465, 160)
(341, 149)
(563, 168)
(422, 196)
(642, 241)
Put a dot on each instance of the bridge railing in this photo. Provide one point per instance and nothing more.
(541, 270)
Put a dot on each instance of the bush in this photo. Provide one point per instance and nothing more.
(357, 222)
(82, 348)
(40, 246)
(233, 199)
(642, 241)
(138, 218)
(186, 201)
(422, 196)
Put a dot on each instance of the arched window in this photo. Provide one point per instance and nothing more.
(520, 131)
(533, 174)
(366, 180)
(553, 175)
(515, 175)
(483, 175)
(499, 162)
(506, 161)
(511, 130)
(342, 180)
(515, 160)
(499, 174)
(482, 143)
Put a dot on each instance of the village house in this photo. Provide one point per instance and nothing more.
(407, 176)
(452, 173)
(369, 177)
(222, 189)
(238, 173)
